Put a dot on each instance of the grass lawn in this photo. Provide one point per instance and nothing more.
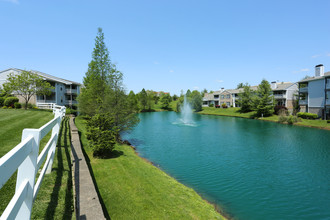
(274, 118)
(132, 188)
(55, 198)
(226, 112)
(158, 107)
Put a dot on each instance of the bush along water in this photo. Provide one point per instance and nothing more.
(307, 115)
(102, 132)
(284, 117)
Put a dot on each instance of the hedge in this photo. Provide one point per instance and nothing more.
(2, 100)
(10, 101)
(307, 115)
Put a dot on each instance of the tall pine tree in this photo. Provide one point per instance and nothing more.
(264, 102)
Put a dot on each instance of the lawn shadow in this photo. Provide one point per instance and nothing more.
(59, 175)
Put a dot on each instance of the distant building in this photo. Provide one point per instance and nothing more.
(314, 93)
(284, 94)
(64, 93)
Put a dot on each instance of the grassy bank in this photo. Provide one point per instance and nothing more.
(234, 112)
(54, 200)
(132, 188)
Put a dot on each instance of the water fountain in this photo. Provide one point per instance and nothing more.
(186, 113)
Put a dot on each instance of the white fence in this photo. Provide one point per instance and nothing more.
(25, 158)
(42, 105)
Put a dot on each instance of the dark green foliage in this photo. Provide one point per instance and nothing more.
(211, 105)
(240, 85)
(263, 102)
(132, 101)
(307, 115)
(175, 97)
(245, 99)
(17, 105)
(2, 100)
(165, 101)
(10, 101)
(102, 133)
(143, 99)
(98, 76)
(196, 100)
(104, 96)
(224, 105)
(328, 121)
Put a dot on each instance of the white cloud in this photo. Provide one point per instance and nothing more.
(219, 81)
(12, 1)
(302, 70)
(196, 88)
(316, 55)
(171, 71)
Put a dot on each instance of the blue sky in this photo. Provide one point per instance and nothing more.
(170, 45)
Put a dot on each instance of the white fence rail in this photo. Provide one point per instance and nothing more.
(25, 158)
(42, 105)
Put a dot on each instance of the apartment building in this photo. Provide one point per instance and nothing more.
(65, 91)
(314, 93)
(284, 94)
(212, 98)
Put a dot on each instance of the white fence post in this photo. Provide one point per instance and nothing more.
(25, 157)
(27, 171)
(55, 130)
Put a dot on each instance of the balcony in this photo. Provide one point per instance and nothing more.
(69, 102)
(303, 102)
(327, 101)
(71, 91)
(279, 96)
(303, 90)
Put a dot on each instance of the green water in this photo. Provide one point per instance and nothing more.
(251, 169)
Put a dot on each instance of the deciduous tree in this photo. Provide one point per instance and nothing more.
(166, 100)
(245, 99)
(27, 84)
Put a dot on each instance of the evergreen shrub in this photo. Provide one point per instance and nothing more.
(307, 115)
(17, 105)
(2, 100)
(101, 132)
(10, 101)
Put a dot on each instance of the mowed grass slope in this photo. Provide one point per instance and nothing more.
(234, 112)
(132, 188)
(54, 200)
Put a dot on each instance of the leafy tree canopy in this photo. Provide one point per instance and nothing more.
(27, 84)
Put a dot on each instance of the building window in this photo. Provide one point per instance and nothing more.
(222, 96)
(228, 96)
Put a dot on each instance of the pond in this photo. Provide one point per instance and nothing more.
(251, 169)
